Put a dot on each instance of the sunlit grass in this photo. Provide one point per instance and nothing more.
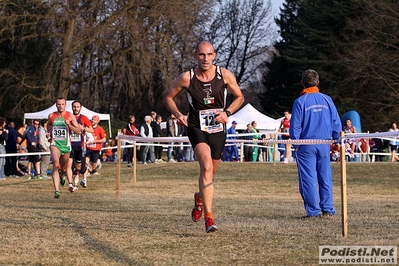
(257, 208)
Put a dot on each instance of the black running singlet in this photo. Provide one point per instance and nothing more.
(203, 96)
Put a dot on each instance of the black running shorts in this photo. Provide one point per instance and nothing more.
(76, 154)
(33, 158)
(93, 155)
(216, 141)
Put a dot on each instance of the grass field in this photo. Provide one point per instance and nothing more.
(257, 208)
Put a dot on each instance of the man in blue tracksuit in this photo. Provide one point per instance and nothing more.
(314, 116)
(232, 149)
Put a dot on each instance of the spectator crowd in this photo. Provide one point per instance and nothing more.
(31, 143)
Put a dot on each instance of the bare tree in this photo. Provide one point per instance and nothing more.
(372, 56)
(123, 54)
(243, 33)
(25, 50)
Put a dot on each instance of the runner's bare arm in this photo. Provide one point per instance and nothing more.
(181, 83)
(87, 126)
(73, 124)
(50, 125)
(89, 129)
(234, 88)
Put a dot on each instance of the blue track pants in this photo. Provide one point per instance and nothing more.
(315, 178)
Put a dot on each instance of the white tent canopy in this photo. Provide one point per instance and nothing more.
(248, 113)
(84, 111)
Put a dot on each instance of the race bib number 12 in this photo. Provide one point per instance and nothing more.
(207, 122)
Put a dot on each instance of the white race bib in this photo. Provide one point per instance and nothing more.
(75, 137)
(59, 133)
(207, 122)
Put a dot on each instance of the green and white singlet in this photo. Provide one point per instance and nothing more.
(60, 134)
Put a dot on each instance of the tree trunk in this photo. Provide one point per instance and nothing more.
(65, 75)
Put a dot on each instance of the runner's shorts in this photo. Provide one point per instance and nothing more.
(93, 155)
(216, 141)
(76, 153)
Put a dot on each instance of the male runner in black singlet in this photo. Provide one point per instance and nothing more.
(206, 87)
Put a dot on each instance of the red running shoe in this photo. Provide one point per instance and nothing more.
(210, 225)
(196, 213)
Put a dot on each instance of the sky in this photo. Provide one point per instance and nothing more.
(276, 5)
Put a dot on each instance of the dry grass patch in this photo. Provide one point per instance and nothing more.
(257, 208)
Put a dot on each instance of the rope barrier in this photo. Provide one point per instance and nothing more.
(170, 141)
(382, 135)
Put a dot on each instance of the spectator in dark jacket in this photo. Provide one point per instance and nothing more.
(32, 144)
(378, 146)
(3, 140)
(11, 147)
(248, 146)
(157, 131)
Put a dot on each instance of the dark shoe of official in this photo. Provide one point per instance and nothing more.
(311, 217)
(196, 213)
(210, 225)
(326, 214)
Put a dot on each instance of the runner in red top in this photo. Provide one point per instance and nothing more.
(94, 144)
(285, 128)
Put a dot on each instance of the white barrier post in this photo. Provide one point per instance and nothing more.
(118, 162)
(344, 202)
(134, 163)
(368, 148)
(275, 149)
